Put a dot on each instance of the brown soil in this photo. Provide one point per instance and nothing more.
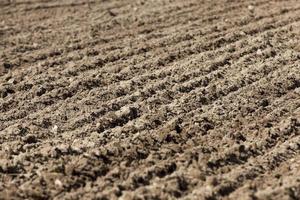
(160, 99)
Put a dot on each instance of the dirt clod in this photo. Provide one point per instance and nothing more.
(30, 139)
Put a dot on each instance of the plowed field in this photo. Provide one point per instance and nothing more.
(158, 99)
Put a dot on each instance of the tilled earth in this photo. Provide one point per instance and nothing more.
(160, 99)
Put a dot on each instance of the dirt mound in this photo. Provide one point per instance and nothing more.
(156, 99)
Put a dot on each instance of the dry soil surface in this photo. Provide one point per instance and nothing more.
(158, 99)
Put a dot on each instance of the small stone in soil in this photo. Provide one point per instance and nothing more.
(58, 183)
(251, 8)
(55, 129)
(259, 52)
